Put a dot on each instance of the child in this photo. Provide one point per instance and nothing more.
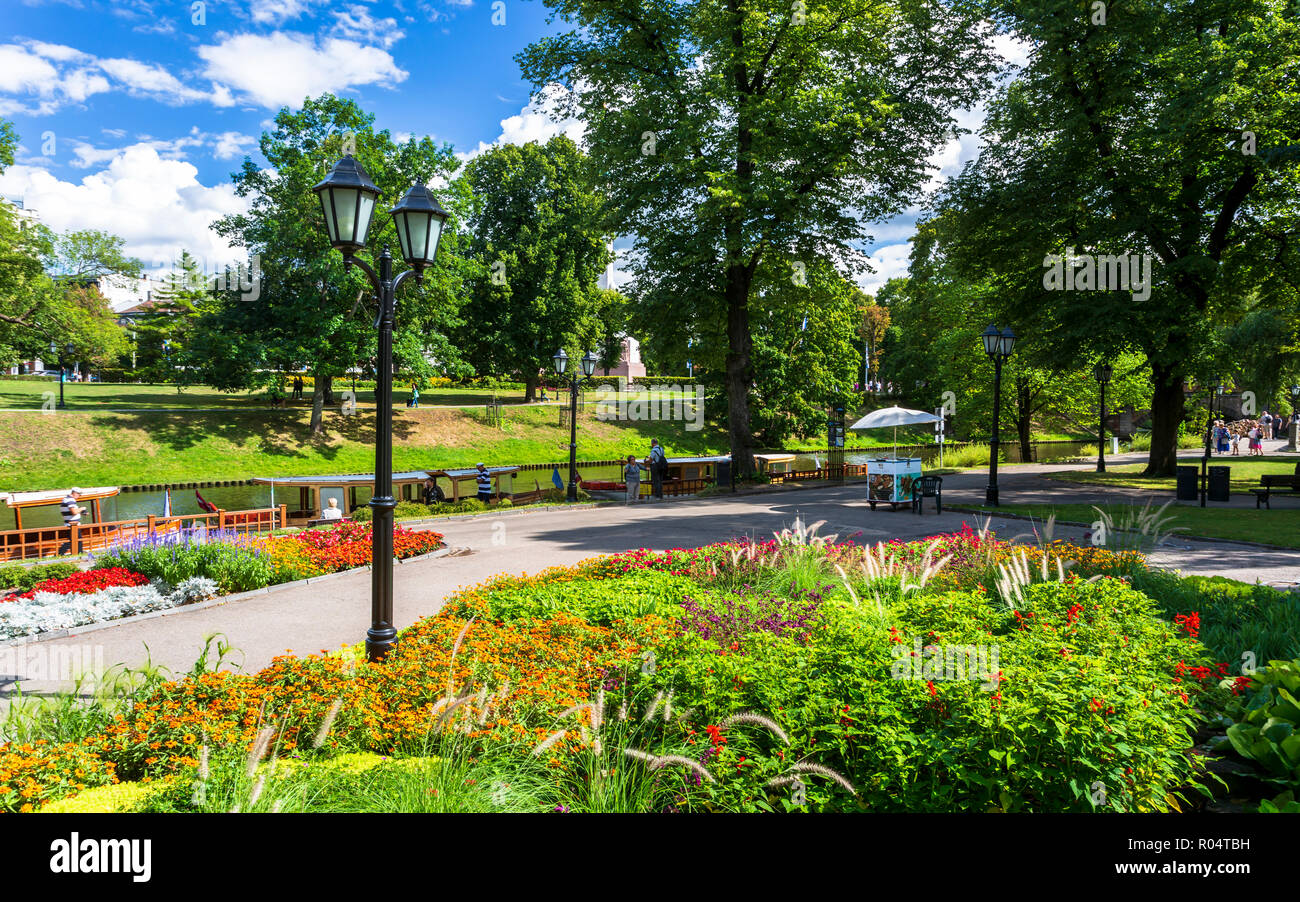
(1255, 446)
(1236, 443)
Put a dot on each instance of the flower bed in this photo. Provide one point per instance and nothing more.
(744, 676)
(176, 569)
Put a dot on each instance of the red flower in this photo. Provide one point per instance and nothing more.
(88, 581)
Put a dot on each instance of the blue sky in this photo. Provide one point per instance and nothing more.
(133, 113)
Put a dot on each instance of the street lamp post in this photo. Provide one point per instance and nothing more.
(1295, 419)
(1216, 396)
(348, 197)
(997, 345)
(68, 350)
(1102, 373)
(561, 361)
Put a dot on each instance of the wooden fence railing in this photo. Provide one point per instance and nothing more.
(822, 473)
(53, 541)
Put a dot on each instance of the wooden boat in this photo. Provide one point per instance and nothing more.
(774, 464)
(314, 492)
(92, 534)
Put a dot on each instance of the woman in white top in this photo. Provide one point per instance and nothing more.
(331, 511)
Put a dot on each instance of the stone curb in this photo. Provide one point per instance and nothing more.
(200, 605)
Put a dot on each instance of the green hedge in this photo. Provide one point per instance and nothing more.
(16, 576)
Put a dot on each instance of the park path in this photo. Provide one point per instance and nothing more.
(335, 611)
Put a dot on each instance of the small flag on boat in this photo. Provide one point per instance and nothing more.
(205, 505)
(167, 502)
(555, 478)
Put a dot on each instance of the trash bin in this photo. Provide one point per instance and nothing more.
(724, 473)
(1186, 484)
(1218, 489)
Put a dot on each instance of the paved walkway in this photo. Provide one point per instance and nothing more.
(334, 612)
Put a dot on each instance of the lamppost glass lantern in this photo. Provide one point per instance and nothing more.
(561, 360)
(589, 361)
(992, 340)
(347, 197)
(1102, 373)
(419, 219)
(1006, 342)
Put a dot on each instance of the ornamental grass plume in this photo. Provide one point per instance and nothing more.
(654, 706)
(451, 708)
(260, 745)
(656, 762)
(327, 724)
(757, 720)
(807, 767)
(451, 663)
(548, 742)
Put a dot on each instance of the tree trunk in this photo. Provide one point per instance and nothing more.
(1167, 411)
(1023, 402)
(530, 388)
(327, 385)
(317, 405)
(739, 371)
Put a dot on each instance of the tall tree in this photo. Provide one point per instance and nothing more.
(726, 131)
(1167, 130)
(539, 250)
(306, 310)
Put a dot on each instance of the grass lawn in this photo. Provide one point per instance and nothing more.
(1280, 526)
(46, 451)
(1245, 472)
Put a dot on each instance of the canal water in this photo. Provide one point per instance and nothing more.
(132, 505)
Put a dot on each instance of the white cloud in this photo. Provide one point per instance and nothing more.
(356, 22)
(156, 205)
(535, 122)
(53, 75)
(151, 80)
(276, 12)
(231, 145)
(888, 262)
(281, 69)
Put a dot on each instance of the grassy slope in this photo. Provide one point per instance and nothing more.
(50, 451)
(1280, 526)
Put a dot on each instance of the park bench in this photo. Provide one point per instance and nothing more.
(1276, 484)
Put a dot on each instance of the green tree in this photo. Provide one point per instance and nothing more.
(539, 250)
(728, 131)
(307, 311)
(1168, 130)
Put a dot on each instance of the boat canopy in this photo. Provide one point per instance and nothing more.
(345, 479)
(55, 496)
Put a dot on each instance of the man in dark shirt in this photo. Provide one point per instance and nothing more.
(484, 484)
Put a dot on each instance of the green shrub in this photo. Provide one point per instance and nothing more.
(601, 602)
(16, 576)
(1268, 730)
(1105, 715)
(972, 455)
(1237, 619)
(361, 514)
(407, 510)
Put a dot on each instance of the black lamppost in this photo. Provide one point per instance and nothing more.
(1216, 395)
(997, 345)
(1102, 373)
(347, 197)
(561, 360)
(1295, 418)
(68, 350)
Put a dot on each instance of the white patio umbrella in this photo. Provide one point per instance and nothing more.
(894, 416)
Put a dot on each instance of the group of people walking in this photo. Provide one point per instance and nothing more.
(1226, 439)
(656, 463)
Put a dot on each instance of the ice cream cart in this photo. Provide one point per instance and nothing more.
(889, 480)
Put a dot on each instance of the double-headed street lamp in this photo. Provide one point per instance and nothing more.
(347, 197)
(561, 360)
(1102, 373)
(1216, 404)
(997, 345)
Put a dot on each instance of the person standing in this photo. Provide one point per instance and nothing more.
(658, 468)
(1236, 442)
(484, 484)
(1256, 447)
(1266, 423)
(71, 513)
(632, 478)
(415, 395)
